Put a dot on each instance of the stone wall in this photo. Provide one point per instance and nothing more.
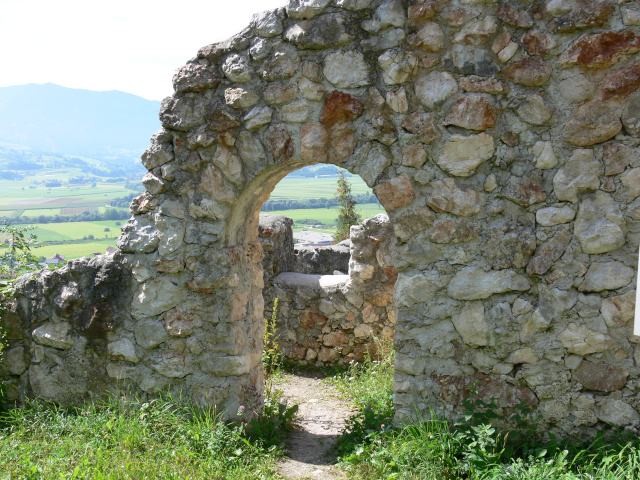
(502, 138)
(334, 319)
(59, 326)
(325, 260)
(276, 237)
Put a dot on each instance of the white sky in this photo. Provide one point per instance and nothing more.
(130, 45)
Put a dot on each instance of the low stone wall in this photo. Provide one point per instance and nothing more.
(60, 329)
(323, 260)
(333, 319)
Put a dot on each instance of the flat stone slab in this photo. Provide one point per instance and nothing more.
(311, 280)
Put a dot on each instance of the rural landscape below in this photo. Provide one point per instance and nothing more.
(78, 203)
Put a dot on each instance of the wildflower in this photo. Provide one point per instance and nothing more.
(240, 409)
(382, 426)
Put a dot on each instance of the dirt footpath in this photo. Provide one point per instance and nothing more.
(321, 417)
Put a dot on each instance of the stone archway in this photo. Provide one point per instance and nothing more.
(501, 138)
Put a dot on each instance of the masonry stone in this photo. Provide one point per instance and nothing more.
(501, 138)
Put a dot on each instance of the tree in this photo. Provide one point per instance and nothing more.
(15, 258)
(347, 215)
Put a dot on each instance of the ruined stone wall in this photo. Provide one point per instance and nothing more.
(502, 138)
(334, 319)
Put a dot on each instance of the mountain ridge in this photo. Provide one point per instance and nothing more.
(52, 118)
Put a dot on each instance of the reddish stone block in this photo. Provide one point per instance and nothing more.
(395, 193)
(515, 17)
(473, 113)
(536, 42)
(530, 72)
(601, 49)
(600, 377)
(589, 14)
(621, 83)
(340, 107)
(422, 125)
(425, 10)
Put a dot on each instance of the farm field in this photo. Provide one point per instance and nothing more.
(327, 216)
(323, 187)
(76, 250)
(76, 230)
(25, 198)
(73, 233)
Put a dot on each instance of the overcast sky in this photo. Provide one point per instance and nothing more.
(130, 45)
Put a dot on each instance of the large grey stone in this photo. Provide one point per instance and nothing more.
(580, 340)
(306, 8)
(15, 360)
(435, 87)
(347, 69)
(599, 225)
(617, 412)
(156, 296)
(150, 333)
(56, 335)
(461, 155)
(551, 216)
(473, 284)
(578, 175)
(421, 288)
(322, 32)
(123, 349)
(269, 23)
(389, 14)
(471, 324)
(607, 276)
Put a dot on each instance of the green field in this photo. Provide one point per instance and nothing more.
(76, 230)
(30, 198)
(328, 216)
(26, 198)
(73, 234)
(75, 250)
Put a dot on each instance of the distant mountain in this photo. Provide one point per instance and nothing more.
(111, 126)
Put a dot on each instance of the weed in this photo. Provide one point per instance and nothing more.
(272, 356)
(270, 426)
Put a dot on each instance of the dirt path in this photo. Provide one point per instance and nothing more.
(321, 418)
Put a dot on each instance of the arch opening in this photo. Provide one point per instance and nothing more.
(334, 313)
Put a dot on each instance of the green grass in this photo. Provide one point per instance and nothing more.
(124, 439)
(433, 449)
